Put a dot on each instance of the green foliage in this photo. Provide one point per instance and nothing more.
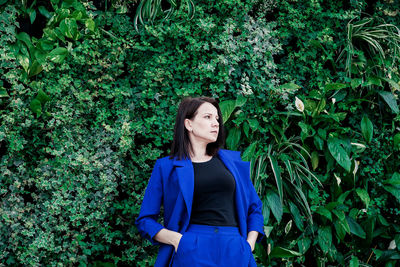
(87, 107)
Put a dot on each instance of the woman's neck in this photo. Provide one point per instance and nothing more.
(198, 152)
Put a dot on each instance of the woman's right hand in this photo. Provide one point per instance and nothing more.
(169, 237)
(178, 240)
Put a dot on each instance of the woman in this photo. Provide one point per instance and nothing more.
(212, 214)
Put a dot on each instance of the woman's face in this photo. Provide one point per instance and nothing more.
(204, 127)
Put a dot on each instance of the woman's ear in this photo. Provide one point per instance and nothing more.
(188, 125)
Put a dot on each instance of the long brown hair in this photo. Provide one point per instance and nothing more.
(187, 110)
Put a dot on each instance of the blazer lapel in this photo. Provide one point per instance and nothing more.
(184, 170)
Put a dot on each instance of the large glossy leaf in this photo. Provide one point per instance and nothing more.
(24, 61)
(58, 54)
(337, 151)
(355, 228)
(367, 129)
(275, 205)
(69, 28)
(227, 108)
(324, 212)
(35, 68)
(390, 100)
(279, 252)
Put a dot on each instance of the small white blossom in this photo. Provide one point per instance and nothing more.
(299, 104)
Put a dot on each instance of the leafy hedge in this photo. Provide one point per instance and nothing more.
(88, 106)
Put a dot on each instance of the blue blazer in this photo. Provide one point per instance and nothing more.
(172, 183)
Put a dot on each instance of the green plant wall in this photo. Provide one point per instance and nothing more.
(88, 105)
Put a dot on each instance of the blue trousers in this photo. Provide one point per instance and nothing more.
(213, 246)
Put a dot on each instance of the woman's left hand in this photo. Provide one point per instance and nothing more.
(251, 239)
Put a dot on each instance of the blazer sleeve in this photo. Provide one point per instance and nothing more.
(147, 220)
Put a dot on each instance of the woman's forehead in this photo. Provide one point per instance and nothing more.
(207, 108)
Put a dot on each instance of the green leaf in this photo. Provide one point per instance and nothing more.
(304, 244)
(246, 128)
(275, 205)
(318, 142)
(395, 191)
(35, 68)
(394, 180)
(314, 159)
(42, 97)
(227, 108)
(279, 252)
(44, 12)
(58, 54)
(24, 37)
(233, 138)
(253, 124)
(89, 23)
(394, 84)
(340, 214)
(337, 151)
(266, 211)
(335, 86)
(367, 129)
(24, 61)
(32, 15)
(396, 140)
(36, 107)
(324, 212)
(3, 92)
(355, 228)
(277, 174)
(268, 230)
(340, 227)
(363, 194)
(240, 101)
(343, 196)
(325, 238)
(353, 262)
(249, 152)
(69, 28)
(390, 100)
(296, 216)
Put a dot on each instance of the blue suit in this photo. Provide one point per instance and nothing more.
(172, 184)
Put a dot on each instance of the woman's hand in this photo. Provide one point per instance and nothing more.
(252, 238)
(168, 237)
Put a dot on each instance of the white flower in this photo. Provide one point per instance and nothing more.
(338, 180)
(392, 245)
(356, 164)
(299, 105)
(333, 100)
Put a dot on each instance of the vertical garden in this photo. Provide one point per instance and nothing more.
(309, 92)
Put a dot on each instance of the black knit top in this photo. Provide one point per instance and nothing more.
(214, 194)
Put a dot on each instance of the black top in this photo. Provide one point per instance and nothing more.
(214, 194)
